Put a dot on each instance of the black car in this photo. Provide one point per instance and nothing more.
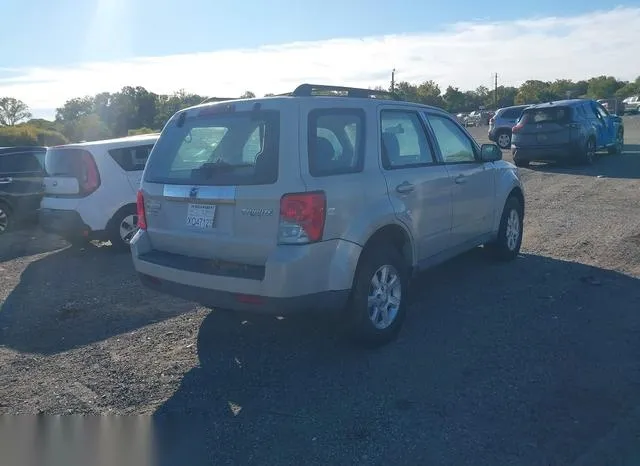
(569, 130)
(21, 174)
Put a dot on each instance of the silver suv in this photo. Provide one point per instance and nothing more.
(313, 201)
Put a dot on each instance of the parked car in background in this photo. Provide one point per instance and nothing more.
(570, 130)
(318, 202)
(501, 123)
(21, 173)
(90, 189)
(632, 104)
(613, 106)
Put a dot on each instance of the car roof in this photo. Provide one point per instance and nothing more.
(560, 103)
(142, 138)
(12, 149)
(366, 97)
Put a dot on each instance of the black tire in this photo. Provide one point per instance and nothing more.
(503, 248)
(360, 323)
(619, 145)
(588, 156)
(505, 144)
(521, 163)
(6, 218)
(117, 242)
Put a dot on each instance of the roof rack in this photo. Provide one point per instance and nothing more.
(209, 100)
(308, 90)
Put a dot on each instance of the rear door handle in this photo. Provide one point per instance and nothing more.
(460, 179)
(405, 187)
(6, 180)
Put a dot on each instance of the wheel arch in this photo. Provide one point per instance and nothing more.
(396, 235)
(120, 211)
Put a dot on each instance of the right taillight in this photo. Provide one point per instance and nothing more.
(142, 217)
(302, 218)
(86, 172)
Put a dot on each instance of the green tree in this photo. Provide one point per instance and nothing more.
(247, 95)
(13, 111)
(454, 99)
(534, 91)
(603, 87)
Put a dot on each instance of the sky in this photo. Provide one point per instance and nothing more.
(73, 48)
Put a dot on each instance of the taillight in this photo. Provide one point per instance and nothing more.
(88, 178)
(302, 217)
(492, 120)
(520, 124)
(142, 216)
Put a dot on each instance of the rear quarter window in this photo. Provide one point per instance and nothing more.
(131, 158)
(226, 148)
(512, 113)
(20, 162)
(335, 141)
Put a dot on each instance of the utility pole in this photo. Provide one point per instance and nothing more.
(495, 91)
(393, 80)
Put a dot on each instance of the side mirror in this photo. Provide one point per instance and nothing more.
(490, 153)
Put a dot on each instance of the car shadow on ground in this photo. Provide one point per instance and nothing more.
(523, 363)
(625, 165)
(77, 296)
(27, 241)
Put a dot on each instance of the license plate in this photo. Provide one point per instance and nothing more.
(201, 215)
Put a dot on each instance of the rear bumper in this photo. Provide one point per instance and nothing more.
(326, 300)
(66, 223)
(298, 277)
(555, 152)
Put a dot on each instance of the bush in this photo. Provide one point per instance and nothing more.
(29, 135)
(136, 132)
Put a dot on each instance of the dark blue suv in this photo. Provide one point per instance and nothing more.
(565, 130)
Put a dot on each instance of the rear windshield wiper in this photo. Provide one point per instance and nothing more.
(210, 168)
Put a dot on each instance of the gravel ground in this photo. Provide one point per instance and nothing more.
(535, 362)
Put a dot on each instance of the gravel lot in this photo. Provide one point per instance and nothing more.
(536, 362)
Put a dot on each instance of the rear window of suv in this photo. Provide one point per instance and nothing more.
(512, 113)
(230, 148)
(547, 115)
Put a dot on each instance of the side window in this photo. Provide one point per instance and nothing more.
(404, 140)
(336, 141)
(24, 162)
(131, 158)
(601, 111)
(455, 145)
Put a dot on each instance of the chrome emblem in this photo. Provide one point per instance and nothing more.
(257, 212)
(193, 193)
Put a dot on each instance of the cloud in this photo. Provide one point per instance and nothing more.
(463, 54)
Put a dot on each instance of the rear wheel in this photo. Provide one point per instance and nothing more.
(378, 303)
(503, 139)
(619, 145)
(122, 228)
(6, 218)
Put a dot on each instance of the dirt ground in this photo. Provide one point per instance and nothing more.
(535, 362)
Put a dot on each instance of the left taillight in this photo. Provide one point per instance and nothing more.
(142, 217)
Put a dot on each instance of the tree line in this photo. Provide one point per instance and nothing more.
(135, 110)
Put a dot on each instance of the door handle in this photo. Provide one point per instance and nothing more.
(405, 187)
(460, 179)
(6, 180)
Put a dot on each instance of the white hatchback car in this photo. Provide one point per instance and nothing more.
(90, 189)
